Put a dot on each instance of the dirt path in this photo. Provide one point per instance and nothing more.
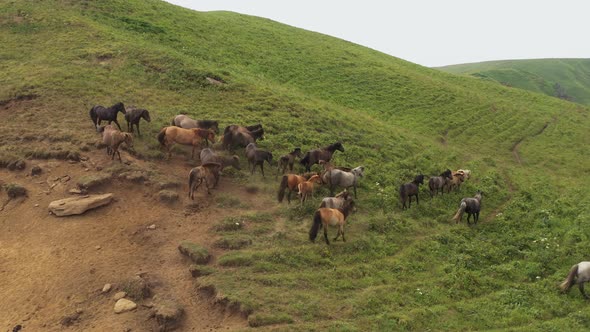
(50, 267)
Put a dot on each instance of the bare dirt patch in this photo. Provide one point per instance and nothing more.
(52, 270)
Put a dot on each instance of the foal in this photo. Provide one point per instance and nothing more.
(257, 157)
(288, 160)
(290, 182)
(306, 188)
(205, 173)
(113, 138)
(406, 191)
(133, 116)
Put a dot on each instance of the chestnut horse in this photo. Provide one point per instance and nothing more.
(291, 181)
(194, 136)
(330, 217)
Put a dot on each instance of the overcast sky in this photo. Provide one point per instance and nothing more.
(435, 32)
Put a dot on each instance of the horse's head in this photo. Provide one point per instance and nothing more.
(315, 178)
(145, 114)
(269, 158)
(215, 127)
(236, 162)
(297, 152)
(128, 139)
(338, 146)
(359, 171)
(447, 174)
(478, 195)
(120, 107)
(211, 135)
(419, 179)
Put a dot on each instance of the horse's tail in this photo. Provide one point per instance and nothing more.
(460, 212)
(315, 226)
(282, 187)
(162, 136)
(323, 204)
(402, 193)
(93, 116)
(569, 280)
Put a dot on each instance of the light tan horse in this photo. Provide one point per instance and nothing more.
(113, 138)
(207, 173)
(306, 188)
(330, 217)
(579, 274)
(194, 136)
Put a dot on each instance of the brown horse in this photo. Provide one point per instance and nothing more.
(194, 136)
(306, 188)
(314, 156)
(291, 181)
(205, 173)
(456, 180)
(239, 136)
(330, 217)
(437, 183)
(113, 138)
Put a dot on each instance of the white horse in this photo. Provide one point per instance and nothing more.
(580, 272)
(336, 177)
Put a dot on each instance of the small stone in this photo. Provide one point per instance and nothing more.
(119, 295)
(36, 205)
(36, 170)
(106, 288)
(153, 226)
(124, 305)
(87, 169)
(168, 196)
(97, 247)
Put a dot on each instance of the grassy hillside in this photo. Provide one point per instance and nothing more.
(399, 269)
(563, 78)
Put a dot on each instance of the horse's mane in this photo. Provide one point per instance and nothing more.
(333, 147)
(208, 123)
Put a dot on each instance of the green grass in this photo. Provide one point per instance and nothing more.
(563, 78)
(399, 270)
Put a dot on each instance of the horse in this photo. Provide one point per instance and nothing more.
(470, 205)
(305, 188)
(184, 121)
(240, 136)
(207, 173)
(439, 182)
(336, 177)
(407, 190)
(231, 128)
(313, 157)
(581, 273)
(133, 116)
(337, 201)
(257, 157)
(99, 113)
(208, 156)
(291, 181)
(288, 160)
(193, 136)
(456, 180)
(330, 217)
(113, 138)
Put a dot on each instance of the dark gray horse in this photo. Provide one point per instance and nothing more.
(407, 190)
(99, 113)
(208, 156)
(288, 160)
(437, 183)
(133, 116)
(313, 157)
(238, 136)
(257, 157)
(472, 206)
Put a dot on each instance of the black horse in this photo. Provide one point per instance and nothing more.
(407, 190)
(99, 113)
(133, 116)
(314, 156)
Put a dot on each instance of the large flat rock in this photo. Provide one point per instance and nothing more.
(78, 205)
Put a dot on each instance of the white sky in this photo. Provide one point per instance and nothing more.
(435, 32)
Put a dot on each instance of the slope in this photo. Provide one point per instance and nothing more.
(400, 269)
(563, 78)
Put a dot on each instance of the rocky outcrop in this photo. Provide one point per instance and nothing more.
(78, 205)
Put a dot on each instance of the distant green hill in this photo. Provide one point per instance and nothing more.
(399, 270)
(563, 78)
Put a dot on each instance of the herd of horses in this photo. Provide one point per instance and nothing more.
(333, 211)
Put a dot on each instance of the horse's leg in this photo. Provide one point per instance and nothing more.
(138, 133)
(326, 234)
(117, 123)
(581, 286)
(417, 202)
(289, 196)
(355, 192)
(262, 168)
(337, 234)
